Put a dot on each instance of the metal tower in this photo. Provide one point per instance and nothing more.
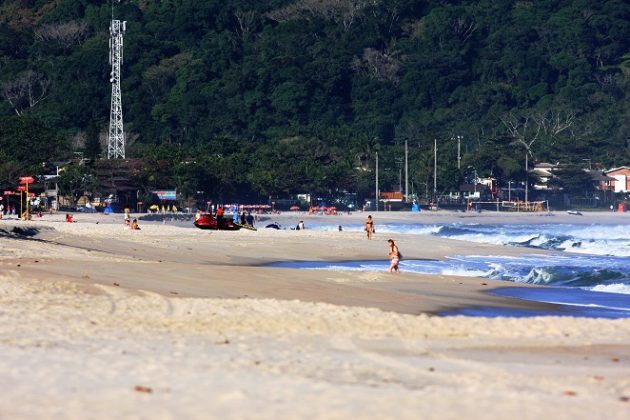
(116, 138)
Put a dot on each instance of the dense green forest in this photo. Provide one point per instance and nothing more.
(277, 97)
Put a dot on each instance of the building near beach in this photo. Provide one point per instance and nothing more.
(621, 175)
(544, 172)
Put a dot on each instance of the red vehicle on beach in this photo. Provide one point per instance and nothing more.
(208, 221)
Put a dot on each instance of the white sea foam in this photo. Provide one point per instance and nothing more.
(539, 241)
(403, 229)
(586, 305)
(465, 272)
(612, 288)
(597, 240)
(615, 248)
(599, 232)
(538, 276)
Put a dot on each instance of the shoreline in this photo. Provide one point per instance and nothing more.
(254, 252)
(186, 254)
(187, 261)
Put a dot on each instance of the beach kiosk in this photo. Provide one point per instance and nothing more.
(167, 198)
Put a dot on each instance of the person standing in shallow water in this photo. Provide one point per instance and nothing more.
(394, 256)
(369, 226)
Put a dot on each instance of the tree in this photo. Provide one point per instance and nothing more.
(66, 35)
(526, 128)
(25, 143)
(574, 180)
(329, 74)
(75, 181)
(25, 91)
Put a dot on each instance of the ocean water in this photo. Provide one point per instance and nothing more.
(586, 239)
(589, 270)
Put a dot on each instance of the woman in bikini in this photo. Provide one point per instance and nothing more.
(369, 227)
(393, 256)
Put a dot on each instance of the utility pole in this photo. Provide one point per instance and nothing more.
(57, 189)
(376, 192)
(116, 138)
(434, 166)
(399, 163)
(526, 176)
(459, 155)
(406, 173)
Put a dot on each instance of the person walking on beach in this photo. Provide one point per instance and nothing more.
(394, 256)
(369, 226)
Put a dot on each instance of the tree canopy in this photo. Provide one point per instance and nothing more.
(288, 96)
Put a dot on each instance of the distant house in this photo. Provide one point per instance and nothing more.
(601, 181)
(488, 182)
(470, 191)
(544, 172)
(621, 175)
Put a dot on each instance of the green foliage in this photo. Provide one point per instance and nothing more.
(286, 96)
(92, 142)
(574, 180)
(75, 181)
(25, 143)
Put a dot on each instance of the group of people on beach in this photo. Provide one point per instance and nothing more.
(133, 224)
(9, 209)
(394, 253)
(245, 219)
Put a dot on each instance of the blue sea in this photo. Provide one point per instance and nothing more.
(588, 272)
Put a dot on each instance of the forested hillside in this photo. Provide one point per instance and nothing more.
(286, 96)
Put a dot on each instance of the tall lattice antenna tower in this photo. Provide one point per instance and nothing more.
(116, 138)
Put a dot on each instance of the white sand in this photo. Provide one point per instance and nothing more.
(75, 345)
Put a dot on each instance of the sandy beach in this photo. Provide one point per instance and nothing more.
(98, 321)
